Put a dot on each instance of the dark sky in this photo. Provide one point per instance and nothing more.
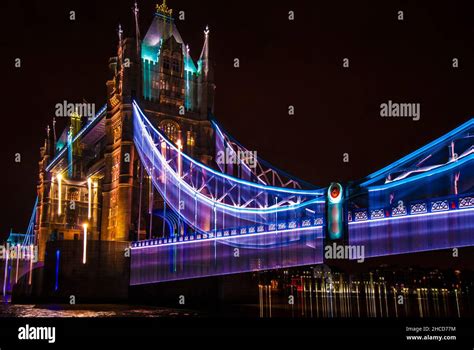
(283, 63)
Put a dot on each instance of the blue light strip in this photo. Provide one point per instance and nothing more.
(412, 216)
(210, 237)
(69, 154)
(56, 284)
(224, 134)
(224, 139)
(318, 192)
(29, 237)
(375, 176)
(448, 166)
(186, 186)
(442, 228)
(428, 211)
(223, 205)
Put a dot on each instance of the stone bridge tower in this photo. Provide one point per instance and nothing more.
(176, 94)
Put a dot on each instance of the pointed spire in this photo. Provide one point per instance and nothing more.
(54, 131)
(135, 9)
(120, 51)
(47, 142)
(205, 52)
(120, 32)
(186, 53)
(137, 29)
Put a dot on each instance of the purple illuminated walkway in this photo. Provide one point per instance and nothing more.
(237, 225)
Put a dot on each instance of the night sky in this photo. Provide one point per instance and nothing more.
(282, 63)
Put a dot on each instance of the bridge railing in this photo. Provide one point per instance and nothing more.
(417, 226)
(236, 232)
(413, 208)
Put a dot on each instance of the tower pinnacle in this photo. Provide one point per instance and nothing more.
(120, 32)
(204, 58)
(137, 29)
(163, 9)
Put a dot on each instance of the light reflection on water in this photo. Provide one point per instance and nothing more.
(313, 298)
(96, 310)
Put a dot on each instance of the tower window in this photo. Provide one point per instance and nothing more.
(164, 85)
(73, 194)
(171, 129)
(176, 66)
(166, 63)
(190, 141)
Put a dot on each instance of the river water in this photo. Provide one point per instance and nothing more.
(91, 310)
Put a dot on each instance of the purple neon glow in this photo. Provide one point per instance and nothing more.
(226, 256)
(414, 233)
(260, 171)
(212, 202)
(233, 235)
(208, 200)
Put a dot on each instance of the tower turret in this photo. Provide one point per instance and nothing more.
(206, 85)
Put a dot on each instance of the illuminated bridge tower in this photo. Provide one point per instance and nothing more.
(91, 175)
(68, 187)
(177, 95)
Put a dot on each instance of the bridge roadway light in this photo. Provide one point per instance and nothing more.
(18, 252)
(30, 277)
(163, 149)
(163, 153)
(84, 253)
(180, 148)
(59, 177)
(89, 188)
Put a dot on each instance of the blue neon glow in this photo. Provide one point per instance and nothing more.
(378, 174)
(230, 208)
(236, 237)
(56, 283)
(217, 128)
(411, 216)
(227, 207)
(69, 153)
(189, 65)
(226, 136)
(30, 234)
(441, 169)
(228, 177)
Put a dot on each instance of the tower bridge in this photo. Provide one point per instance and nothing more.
(144, 172)
(240, 225)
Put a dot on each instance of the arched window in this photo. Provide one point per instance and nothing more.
(171, 129)
(71, 209)
(176, 66)
(73, 194)
(190, 138)
(176, 62)
(166, 59)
